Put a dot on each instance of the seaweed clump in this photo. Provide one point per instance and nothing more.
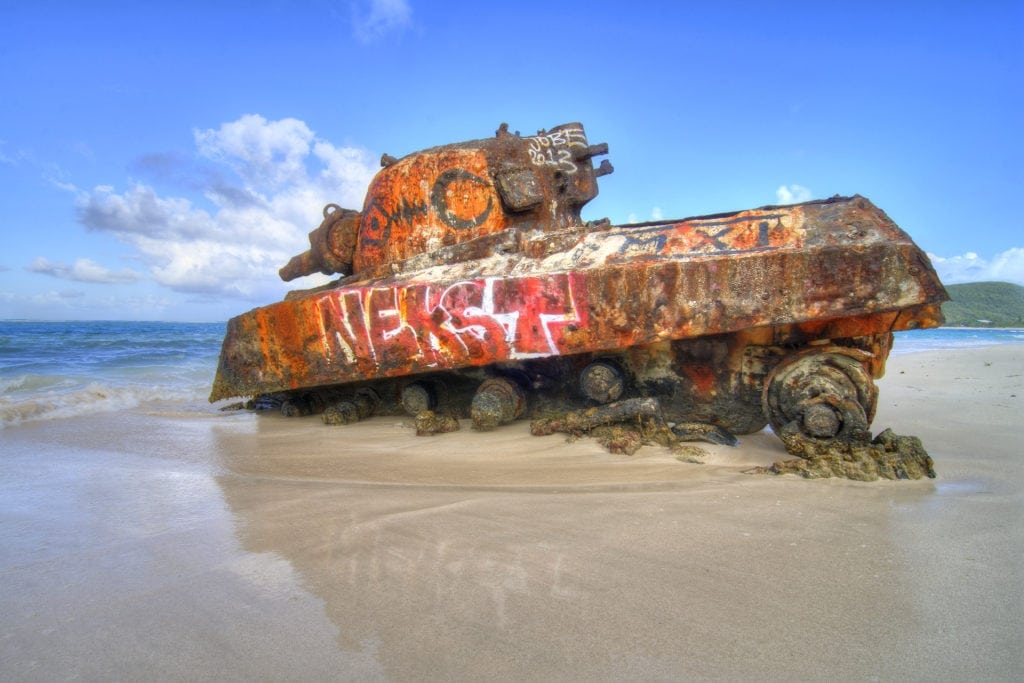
(429, 423)
(624, 426)
(887, 456)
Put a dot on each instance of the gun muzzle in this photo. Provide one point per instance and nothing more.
(331, 246)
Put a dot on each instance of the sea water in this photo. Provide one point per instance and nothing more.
(52, 370)
(60, 369)
(951, 338)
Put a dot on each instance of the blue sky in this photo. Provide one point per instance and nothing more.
(162, 160)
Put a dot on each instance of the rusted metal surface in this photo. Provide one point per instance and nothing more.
(615, 288)
(469, 266)
(459, 193)
(332, 246)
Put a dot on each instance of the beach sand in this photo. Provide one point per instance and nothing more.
(198, 544)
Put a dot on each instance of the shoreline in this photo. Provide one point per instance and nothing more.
(951, 327)
(171, 544)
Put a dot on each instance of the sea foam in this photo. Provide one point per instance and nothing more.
(95, 397)
(53, 370)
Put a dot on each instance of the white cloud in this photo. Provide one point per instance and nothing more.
(656, 215)
(83, 270)
(139, 211)
(1006, 266)
(374, 19)
(267, 185)
(266, 154)
(792, 194)
(48, 300)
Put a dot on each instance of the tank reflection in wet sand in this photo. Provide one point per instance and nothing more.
(565, 580)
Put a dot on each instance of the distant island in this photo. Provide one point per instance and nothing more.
(984, 304)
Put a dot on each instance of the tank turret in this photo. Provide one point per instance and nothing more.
(455, 194)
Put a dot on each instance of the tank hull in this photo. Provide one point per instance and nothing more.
(792, 275)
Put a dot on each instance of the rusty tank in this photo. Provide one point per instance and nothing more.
(469, 285)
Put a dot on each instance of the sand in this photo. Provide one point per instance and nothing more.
(199, 545)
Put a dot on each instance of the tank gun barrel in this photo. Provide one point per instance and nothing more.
(331, 246)
(299, 265)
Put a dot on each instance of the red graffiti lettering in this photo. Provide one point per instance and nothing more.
(471, 322)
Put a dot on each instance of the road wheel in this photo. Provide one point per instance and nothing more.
(821, 394)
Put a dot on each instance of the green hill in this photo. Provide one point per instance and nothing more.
(984, 304)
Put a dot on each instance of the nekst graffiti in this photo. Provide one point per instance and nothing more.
(472, 322)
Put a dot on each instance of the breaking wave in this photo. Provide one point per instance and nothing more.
(19, 403)
(53, 370)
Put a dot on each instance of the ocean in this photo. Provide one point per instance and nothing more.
(53, 370)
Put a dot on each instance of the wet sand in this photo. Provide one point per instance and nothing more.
(196, 545)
